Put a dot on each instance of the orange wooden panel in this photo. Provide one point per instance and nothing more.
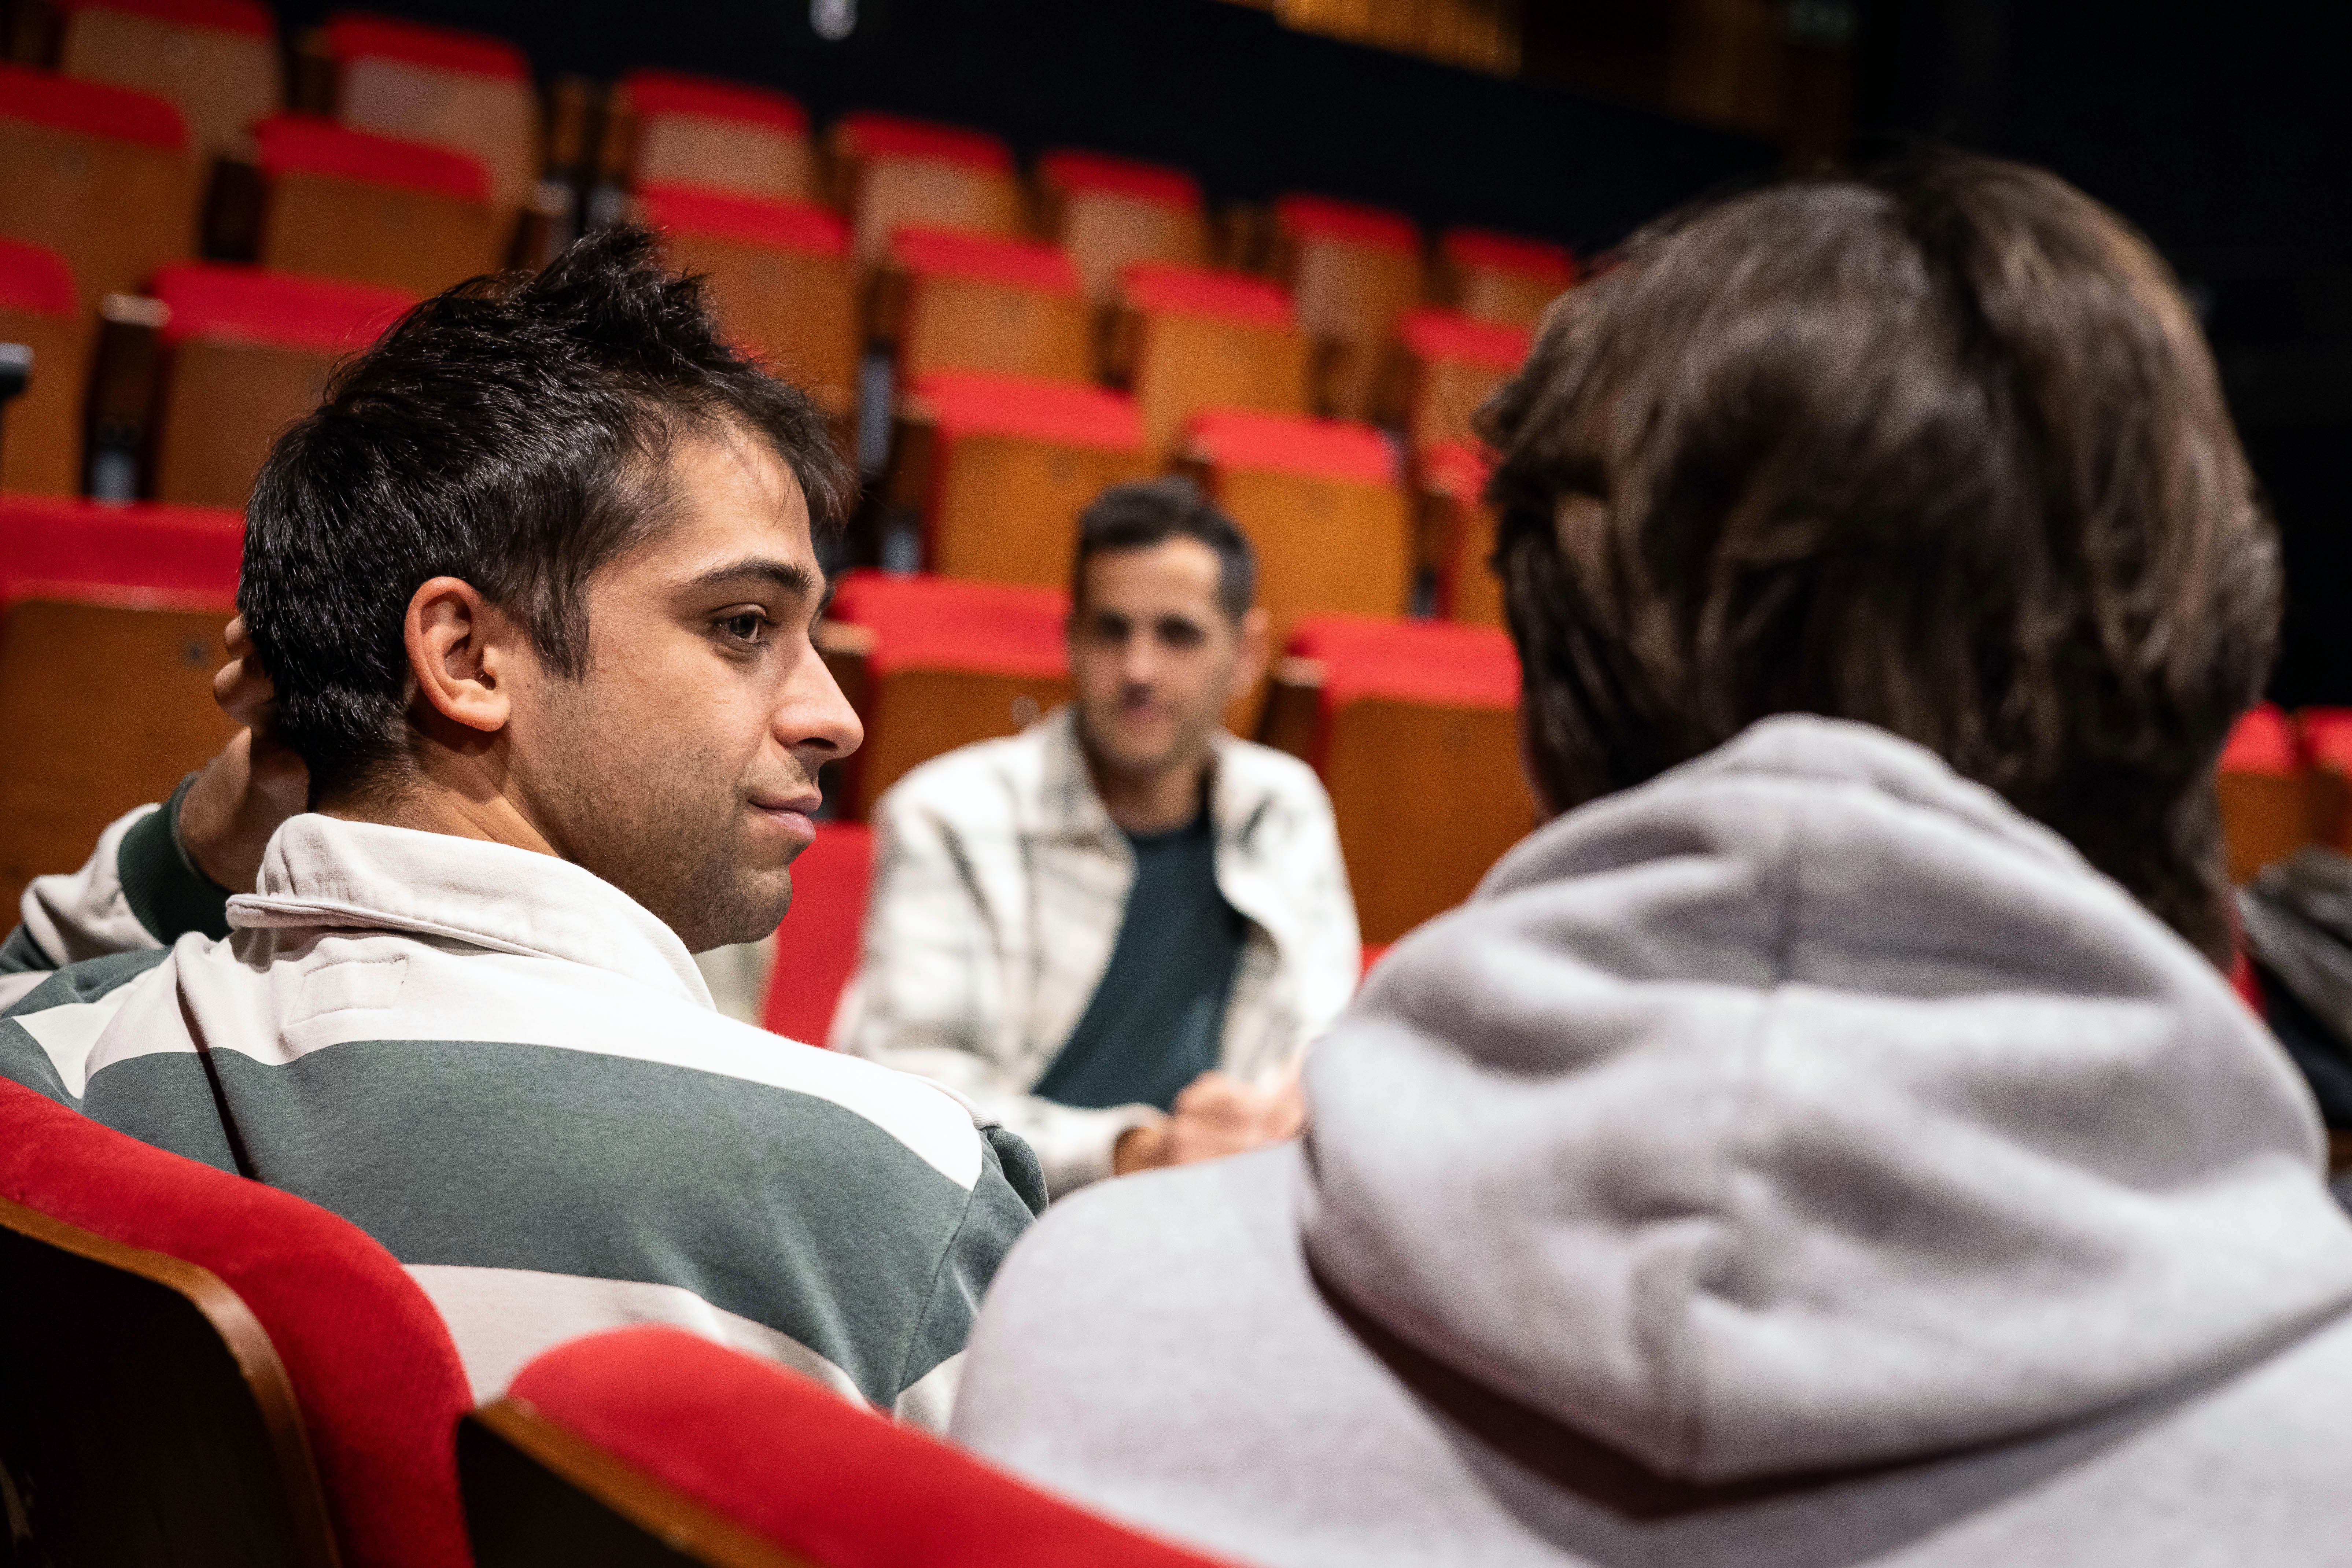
(225, 402)
(40, 445)
(1323, 545)
(370, 233)
(928, 193)
(1426, 799)
(1510, 298)
(918, 713)
(1444, 394)
(1469, 590)
(115, 210)
(494, 118)
(103, 707)
(220, 81)
(1008, 509)
(1349, 297)
(2266, 817)
(1187, 363)
(725, 155)
(1106, 232)
(798, 309)
(962, 323)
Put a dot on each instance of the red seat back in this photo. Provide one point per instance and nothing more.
(717, 1432)
(817, 945)
(372, 1365)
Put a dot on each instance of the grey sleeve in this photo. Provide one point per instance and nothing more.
(138, 890)
(1005, 1201)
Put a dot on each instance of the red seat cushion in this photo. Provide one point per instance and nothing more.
(1065, 413)
(817, 945)
(1443, 335)
(355, 35)
(797, 1465)
(867, 134)
(1163, 288)
(984, 259)
(946, 622)
(1484, 251)
(158, 553)
(378, 1380)
(209, 299)
(308, 144)
(1346, 223)
(749, 220)
(1293, 444)
(1444, 664)
(90, 108)
(36, 278)
(2263, 741)
(655, 92)
(1074, 170)
(2326, 736)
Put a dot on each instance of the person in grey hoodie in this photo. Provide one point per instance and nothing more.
(1831, 1138)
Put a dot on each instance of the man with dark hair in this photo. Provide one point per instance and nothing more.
(533, 588)
(1116, 930)
(1831, 1138)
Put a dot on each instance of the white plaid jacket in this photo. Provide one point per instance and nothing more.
(1000, 886)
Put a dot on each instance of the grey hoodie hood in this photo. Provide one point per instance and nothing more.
(1810, 1107)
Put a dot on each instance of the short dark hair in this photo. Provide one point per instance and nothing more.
(1146, 513)
(1942, 451)
(513, 432)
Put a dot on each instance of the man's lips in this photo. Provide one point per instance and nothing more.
(792, 813)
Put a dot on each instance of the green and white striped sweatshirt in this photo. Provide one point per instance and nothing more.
(510, 1073)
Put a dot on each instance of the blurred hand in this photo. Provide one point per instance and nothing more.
(1216, 1115)
(253, 785)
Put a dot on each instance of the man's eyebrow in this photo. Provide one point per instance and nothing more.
(794, 578)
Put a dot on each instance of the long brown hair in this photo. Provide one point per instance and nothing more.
(1942, 452)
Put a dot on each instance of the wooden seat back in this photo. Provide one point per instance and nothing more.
(1457, 533)
(1500, 278)
(1188, 340)
(99, 175)
(40, 442)
(1411, 726)
(249, 354)
(216, 60)
(718, 136)
(1441, 367)
(976, 303)
(1109, 214)
(465, 91)
(2272, 801)
(932, 663)
(894, 174)
(1352, 270)
(1013, 463)
(373, 209)
(783, 276)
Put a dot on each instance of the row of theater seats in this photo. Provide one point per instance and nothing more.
(195, 1368)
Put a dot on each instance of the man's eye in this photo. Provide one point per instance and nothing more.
(745, 628)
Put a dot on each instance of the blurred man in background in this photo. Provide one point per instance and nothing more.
(1116, 930)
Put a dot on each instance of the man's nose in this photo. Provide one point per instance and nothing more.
(815, 715)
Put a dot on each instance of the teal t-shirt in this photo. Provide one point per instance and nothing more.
(1155, 1020)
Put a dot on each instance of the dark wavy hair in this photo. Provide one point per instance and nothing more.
(513, 432)
(1942, 451)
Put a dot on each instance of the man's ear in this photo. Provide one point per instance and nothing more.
(1253, 652)
(461, 654)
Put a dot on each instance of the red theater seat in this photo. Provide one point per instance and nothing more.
(2326, 737)
(1189, 339)
(1458, 532)
(893, 172)
(373, 209)
(650, 1444)
(1318, 499)
(1353, 271)
(2270, 798)
(1412, 725)
(783, 275)
(1109, 214)
(977, 302)
(123, 607)
(1500, 278)
(719, 135)
(934, 663)
(817, 945)
(216, 60)
(203, 1369)
(99, 175)
(249, 352)
(1441, 367)
(468, 92)
(40, 442)
(1012, 462)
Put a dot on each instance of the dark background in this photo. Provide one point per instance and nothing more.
(2225, 134)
